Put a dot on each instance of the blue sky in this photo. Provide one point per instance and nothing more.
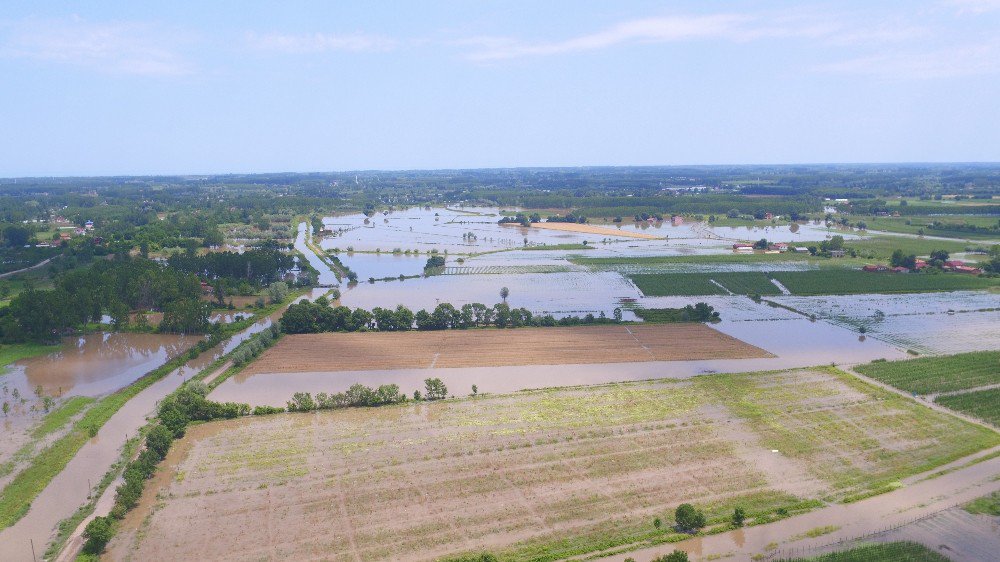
(110, 87)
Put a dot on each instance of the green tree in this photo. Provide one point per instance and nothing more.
(434, 389)
(6, 408)
(688, 518)
(739, 517)
(504, 293)
(675, 556)
(98, 532)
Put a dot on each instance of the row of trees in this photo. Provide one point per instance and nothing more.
(313, 317)
(358, 395)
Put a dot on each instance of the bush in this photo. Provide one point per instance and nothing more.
(689, 519)
(158, 440)
(98, 533)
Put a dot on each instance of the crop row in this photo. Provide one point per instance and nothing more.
(938, 374)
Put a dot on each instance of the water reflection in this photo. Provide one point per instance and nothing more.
(95, 364)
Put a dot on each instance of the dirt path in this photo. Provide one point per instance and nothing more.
(42, 263)
(914, 502)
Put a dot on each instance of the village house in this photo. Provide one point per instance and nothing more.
(874, 268)
(89, 225)
(782, 246)
(676, 220)
(743, 248)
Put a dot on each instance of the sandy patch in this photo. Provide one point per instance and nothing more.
(592, 229)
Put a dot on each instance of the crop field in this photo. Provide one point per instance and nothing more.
(591, 229)
(887, 552)
(929, 375)
(883, 246)
(505, 269)
(693, 284)
(982, 404)
(537, 475)
(494, 347)
(848, 282)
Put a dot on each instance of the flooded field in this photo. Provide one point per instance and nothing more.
(559, 294)
(94, 364)
(527, 472)
(474, 230)
(935, 323)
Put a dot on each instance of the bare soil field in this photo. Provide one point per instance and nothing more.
(591, 229)
(537, 475)
(495, 348)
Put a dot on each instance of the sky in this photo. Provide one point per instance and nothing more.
(199, 87)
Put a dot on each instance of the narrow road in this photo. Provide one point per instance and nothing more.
(919, 498)
(42, 263)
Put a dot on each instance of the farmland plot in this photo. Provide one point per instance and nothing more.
(534, 475)
(929, 375)
(983, 404)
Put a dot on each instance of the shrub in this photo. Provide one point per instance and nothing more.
(688, 518)
(98, 532)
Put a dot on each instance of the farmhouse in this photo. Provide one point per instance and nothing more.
(874, 268)
(676, 220)
(837, 253)
(802, 249)
(743, 248)
(781, 246)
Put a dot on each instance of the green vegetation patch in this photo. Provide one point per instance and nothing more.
(693, 284)
(984, 404)
(16, 352)
(986, 505)
(883, 246)
(937, 374)
(60, 416)
(885, 552)
(854, 282)
(698, 259)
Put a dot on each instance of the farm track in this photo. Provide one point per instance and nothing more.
(329, 352)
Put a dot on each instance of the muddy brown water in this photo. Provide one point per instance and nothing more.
(94, 364)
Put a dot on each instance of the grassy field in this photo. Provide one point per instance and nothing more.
(57, 418)
(698, 259)
(880, 552)
(10, 353)
(537, 475)
(984, 404)
(898, 224)
(883, 246)
(986, 505)
(851, 282)
(929, 375)
(693, 284)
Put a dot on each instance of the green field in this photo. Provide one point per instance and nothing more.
(16, 352)
(929, 375)
(854, 282)
(883, 246)
(885, 552)
(697, 259)
(984, 405)
(693, 284)
(986, 505)
(898, 224)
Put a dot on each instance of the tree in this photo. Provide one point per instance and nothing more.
(504, 293)
(98, 533)
(158, 440)
(733, 213)
(657, 523)
(939, 255)
(435, 389)
(475, 390)
(688, 518)
(277, 291)
(6, 408)
(16, 236)
(739, 517)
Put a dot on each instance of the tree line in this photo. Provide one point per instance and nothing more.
(261, 265)
(313, 317)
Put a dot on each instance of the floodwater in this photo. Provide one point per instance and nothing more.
(559, 294)
(796, 341)
(326, 276)
(946, 322)
(448, 230)
(383, 265)
(94, 364)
